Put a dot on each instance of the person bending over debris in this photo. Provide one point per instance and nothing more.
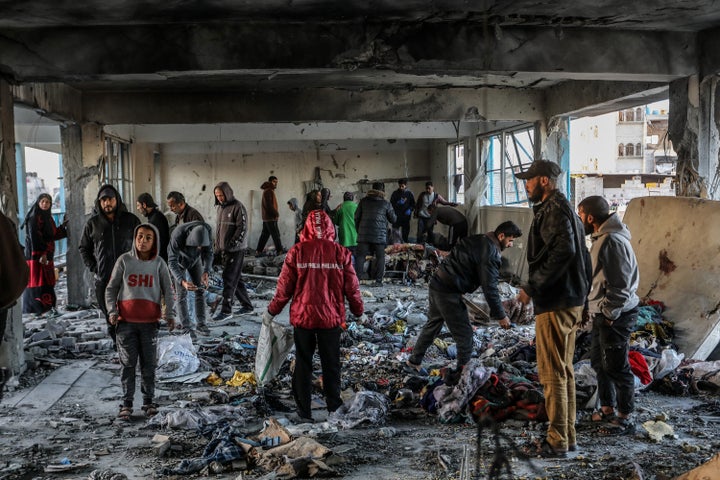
(474, 262)
(613, 308)
(318, 275)
(139, 280)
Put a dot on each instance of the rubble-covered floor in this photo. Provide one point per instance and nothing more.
(61, 412)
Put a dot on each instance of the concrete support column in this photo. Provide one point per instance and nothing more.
(78, 178)
(694, 132)
(556, 148)
(12, 354)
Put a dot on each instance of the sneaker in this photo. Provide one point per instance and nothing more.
(220, 316)
(244, 310)
(377, 284)
(203, 329)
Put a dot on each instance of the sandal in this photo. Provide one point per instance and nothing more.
(598, 416)
(618, 426)
(150, 409)
(125, 413)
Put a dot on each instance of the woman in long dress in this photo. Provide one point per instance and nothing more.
(40, 236)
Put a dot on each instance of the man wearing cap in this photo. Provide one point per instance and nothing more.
(558, 283)
(107, 235)
(190, 259)
(372, 217)
(425, 199)
(403, 202)
(270, 216)
(183, 212)
(147, 207)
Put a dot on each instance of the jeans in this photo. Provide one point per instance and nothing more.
(425, 230)
(233, 284)
(137, 341)
(327, 341)
(555, 336)
(270, 229)
(362, 250)
(195, 298)
(609, 358)
(449, 309)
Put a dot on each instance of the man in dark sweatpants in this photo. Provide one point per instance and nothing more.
(475, 261)
(230, 245)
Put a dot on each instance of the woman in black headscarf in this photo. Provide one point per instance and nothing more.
(40, 236)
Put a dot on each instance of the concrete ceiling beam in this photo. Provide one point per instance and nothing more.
(709, 53)
(314, 105)
(455, 48)
(596, 98)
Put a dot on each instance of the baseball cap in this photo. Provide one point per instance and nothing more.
(540, 168)
(107, 192)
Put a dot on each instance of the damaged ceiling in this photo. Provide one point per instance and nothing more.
(138, 62)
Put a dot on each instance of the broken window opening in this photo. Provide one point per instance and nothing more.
(507, 152)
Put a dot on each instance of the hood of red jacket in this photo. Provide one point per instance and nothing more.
(318, 225)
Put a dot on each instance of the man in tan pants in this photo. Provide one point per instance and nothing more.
(558, 283)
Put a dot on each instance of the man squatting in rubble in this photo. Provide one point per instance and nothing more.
(108, 234)
(139, 282)
(613, 308)
(318, 276)
(558, 282)
(475, 261)
(190, 259)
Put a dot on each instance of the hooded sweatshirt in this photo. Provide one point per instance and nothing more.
(615, 274)
(137, 286)
(183, 250)
(231, 222)
(318, 275)
(270, 211)
(104, 241)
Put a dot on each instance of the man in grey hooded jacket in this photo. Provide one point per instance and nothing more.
(613, 308)
(230, 245)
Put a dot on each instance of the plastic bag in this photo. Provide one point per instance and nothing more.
(274, 343)
(364, 406)
(669, 361)
(177, 356)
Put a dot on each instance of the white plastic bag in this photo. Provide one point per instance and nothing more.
(669, 361)
(274, 343)
(177, 356)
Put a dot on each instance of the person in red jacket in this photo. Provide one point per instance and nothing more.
(318, 275)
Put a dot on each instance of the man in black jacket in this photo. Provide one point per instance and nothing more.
(474, 262)
(147, 207)
(107, 235)
(372, 217)
(558, 283)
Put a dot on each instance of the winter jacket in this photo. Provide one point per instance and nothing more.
(137, 287)
(474, 262)
(372, 217)
(270, 211)
(403, 203)
(231, 222)
(345, 220)
(615, 276)
(14, 271)
(558, 260)
(318, 276)
(181, 257)
(189, 214)
(103, 241)
(157, 218)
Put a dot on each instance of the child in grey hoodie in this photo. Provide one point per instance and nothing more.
(139, 282)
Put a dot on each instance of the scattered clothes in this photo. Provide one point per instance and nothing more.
(363, 407)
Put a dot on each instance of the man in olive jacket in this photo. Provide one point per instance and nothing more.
(372, 217)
